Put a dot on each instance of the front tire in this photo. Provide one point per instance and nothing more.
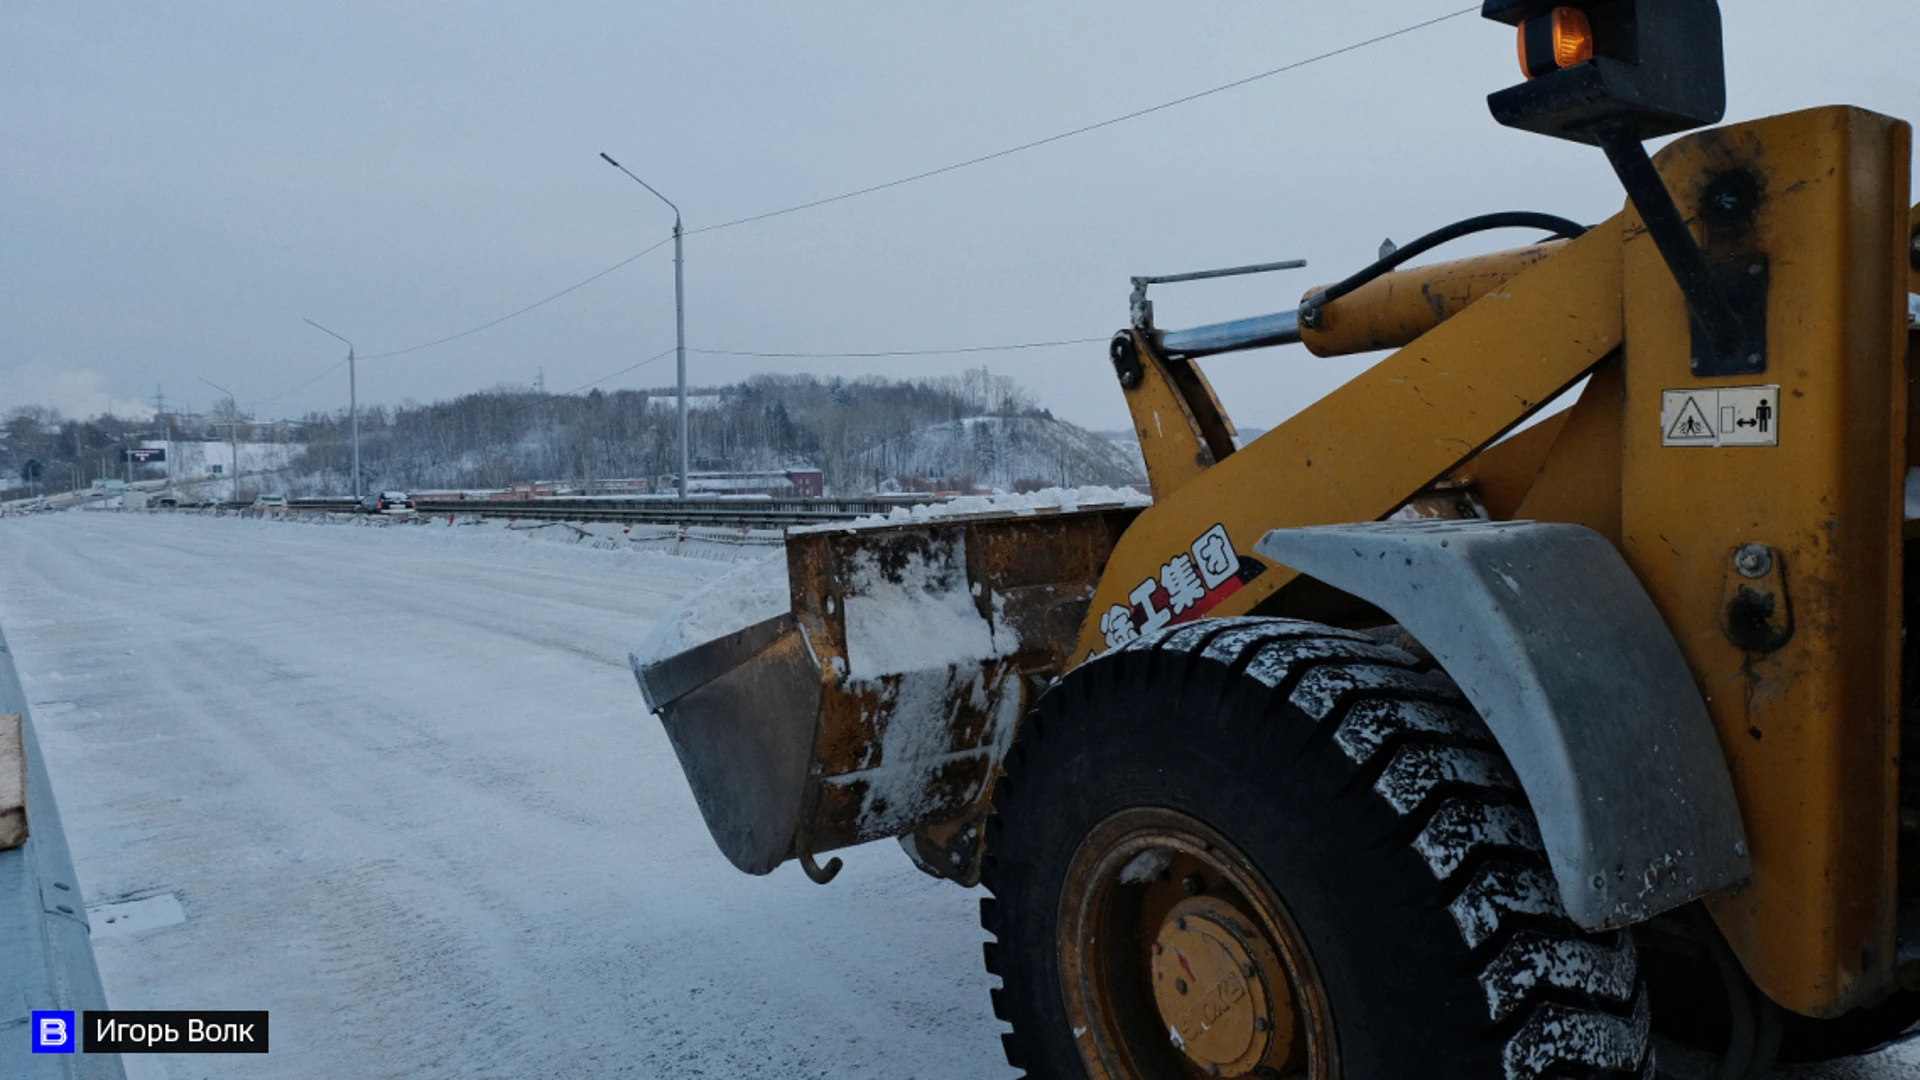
(1263, 848)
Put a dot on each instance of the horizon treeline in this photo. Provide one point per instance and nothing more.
(870, 433)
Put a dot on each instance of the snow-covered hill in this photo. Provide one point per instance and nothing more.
(1004, 451)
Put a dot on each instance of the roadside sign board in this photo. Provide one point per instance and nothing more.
(144, 455)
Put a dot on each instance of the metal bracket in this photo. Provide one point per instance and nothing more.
(1126, 361)
(1729, 338)
(1742, 282)
(1140, 309)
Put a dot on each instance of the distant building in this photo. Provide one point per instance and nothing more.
(616, 485)
(785, 484)
(527, 489)
(808, 483)
(196, 459)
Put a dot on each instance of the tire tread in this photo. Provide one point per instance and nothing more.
(1571, 1001)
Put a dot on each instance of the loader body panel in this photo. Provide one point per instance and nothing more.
(1810, 726)
(1423, 411)
(1754, 519)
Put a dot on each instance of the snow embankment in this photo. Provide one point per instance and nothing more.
(715, 543)
(1048, 501)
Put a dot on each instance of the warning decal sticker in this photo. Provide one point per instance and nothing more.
(1690, 426)
(1725, 416)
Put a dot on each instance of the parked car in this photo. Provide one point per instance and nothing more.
(270, 502)
(393, 502)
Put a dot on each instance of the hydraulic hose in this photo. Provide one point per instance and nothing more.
(1509, 219)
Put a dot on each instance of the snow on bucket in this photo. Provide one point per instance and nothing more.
(876, 696)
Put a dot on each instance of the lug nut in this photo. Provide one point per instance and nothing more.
(1248, 969)
(1193, 884)
(1180, 986)
(1260, 1023)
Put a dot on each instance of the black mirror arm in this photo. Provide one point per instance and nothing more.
(1650, 196)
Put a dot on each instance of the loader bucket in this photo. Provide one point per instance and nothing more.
(881, 704)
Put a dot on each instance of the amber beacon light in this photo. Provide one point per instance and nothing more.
(1559, 39)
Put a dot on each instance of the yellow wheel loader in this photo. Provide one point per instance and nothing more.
(1422, 736)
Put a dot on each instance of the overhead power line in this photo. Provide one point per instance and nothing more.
(843, 355)
(900, 182)
(300, 386)
(898, 352)
(491, 323)
(1085, 128)
(661, 355)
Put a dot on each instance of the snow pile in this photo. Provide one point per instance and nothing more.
(1050, 500)
(754, 592)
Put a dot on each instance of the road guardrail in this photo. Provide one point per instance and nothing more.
(46, 947)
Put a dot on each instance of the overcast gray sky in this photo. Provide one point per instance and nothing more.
(181, 183)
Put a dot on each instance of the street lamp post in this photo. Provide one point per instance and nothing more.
(679, 316)
(353, 401)
(233, 437)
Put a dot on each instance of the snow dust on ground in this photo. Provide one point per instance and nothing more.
(396, 786)
(403, 788)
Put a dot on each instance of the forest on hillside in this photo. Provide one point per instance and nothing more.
(866, 434)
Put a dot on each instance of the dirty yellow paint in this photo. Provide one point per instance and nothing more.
(1810, 730)
(1366, 448)
(1392, 310)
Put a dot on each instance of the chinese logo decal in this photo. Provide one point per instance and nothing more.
(1189, 585)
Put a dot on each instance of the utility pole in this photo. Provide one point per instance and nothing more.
(233, 438)
(353, 401)
(160, 416)
(679, 316)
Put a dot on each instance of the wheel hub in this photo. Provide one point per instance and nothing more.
(1178, 959)
(1220, 989)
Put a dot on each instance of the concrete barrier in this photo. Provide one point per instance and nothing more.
(46, 951)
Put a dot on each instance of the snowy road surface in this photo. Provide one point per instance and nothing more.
(401, 787)
(405, 792)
